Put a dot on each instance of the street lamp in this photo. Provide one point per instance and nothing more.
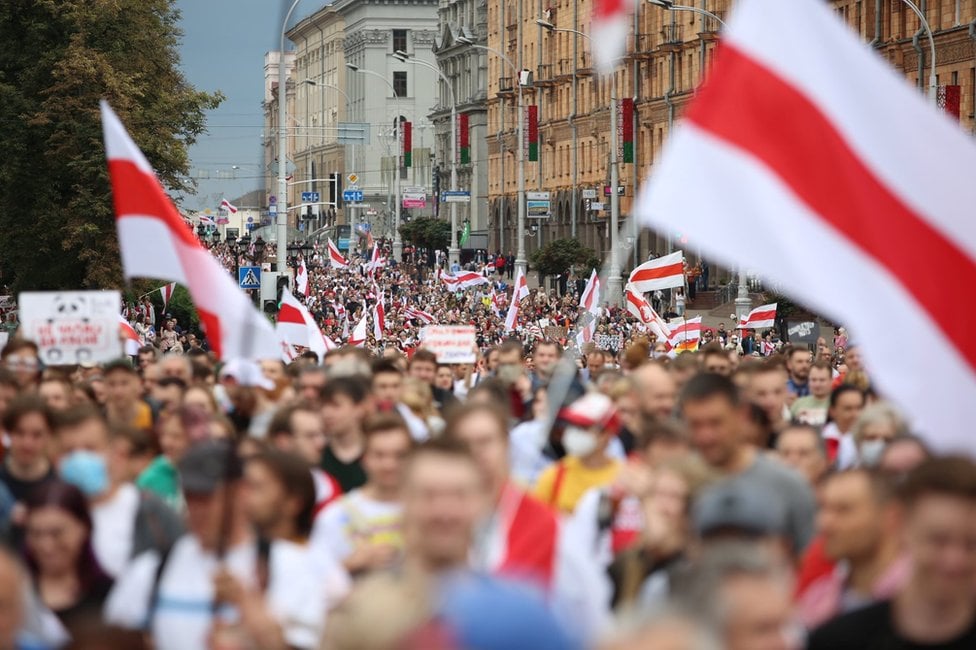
(282, 221)
(670, 6)
(397, 242)
(521, 264)
(453, 253)
(615, 281)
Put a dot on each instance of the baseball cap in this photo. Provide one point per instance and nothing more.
(207, 464)
(739, 505)
(590, 410)
(246, 373)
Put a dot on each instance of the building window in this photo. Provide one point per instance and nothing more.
(400, 83)
(399, 40)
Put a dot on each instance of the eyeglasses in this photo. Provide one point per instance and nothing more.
(16, 362)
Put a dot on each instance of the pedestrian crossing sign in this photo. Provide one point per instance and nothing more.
(249, 277)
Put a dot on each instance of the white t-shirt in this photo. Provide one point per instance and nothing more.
(113, 524)
(302, 587)
(354, 520)
(526, 442)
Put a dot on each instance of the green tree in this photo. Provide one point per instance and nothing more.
(559, 255)
(426, 232)
(57, 59)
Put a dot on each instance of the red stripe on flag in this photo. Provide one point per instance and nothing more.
(289, 314)
(645, 275)
(148, 200)
(762, 315)
(753, 109)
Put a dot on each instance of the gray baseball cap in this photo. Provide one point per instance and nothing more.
(739, 506)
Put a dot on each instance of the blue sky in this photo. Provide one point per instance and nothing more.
(224, 42)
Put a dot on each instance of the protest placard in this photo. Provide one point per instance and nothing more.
(451, 343)
(72, 327)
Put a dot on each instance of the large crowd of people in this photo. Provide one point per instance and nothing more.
(553, 494)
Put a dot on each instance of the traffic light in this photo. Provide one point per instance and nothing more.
(335, 189)
(437, 182)
(282, 284)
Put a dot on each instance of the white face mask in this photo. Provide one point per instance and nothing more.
(871, 452)
(579, 442)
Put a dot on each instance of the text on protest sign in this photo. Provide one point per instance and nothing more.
(72, 327)
(451, 343)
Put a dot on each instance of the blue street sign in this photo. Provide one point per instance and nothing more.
(310, 197)
(343, 243)
(249, 277)
(352, 196)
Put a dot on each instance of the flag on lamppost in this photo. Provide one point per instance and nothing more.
(532, 131)
(407, 144)
(464, 141)
(625, 128)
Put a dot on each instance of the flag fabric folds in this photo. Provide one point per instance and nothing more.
(685, 334)
(520, 292)
(664, 272)
(791, 140)
(608, 31)
(590, 298)
(417, 314)
(166, 291)
(379, 319)
(156, 243)
(226, 205)
(463, 280)
(296, 326)
(638, 306)
(301, 278)
(132, 341)
(358, 336)
(759, 318)
(336, 259)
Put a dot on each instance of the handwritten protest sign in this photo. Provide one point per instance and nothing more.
(72, 327)
(451, 343)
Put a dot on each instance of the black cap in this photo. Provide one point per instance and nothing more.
(207, 464)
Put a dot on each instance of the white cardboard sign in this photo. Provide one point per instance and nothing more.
(72, 327)
(451, 343)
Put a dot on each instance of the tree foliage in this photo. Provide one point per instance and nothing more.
(57, 59)
(559, 255)
(426, 232)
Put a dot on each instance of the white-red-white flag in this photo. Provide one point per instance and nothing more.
(132, 340)
(520, 291)
(156, 243)
(226, 205)
(358, 336)
(296, 326)
(759, 318)
(590, 299)
(301, 278)
(166, 291)
(336, 259)
(685, 334)
(792, 141)
(379, 319)
(418, 314)
(376, 261)
(638, 305)
(463, 280)
(664, 272)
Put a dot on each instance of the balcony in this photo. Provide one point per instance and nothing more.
(671, 37)
(585, 66)
(565, 68)
(506, 85)
(545, 76)
(647, 44)
(712, 26)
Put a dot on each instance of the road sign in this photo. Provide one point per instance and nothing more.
(352, 196)
(537, 196)
(596, 206)
(620, 190)
(310, 197)
(272, 200)
(249, 277)
(589, 194)
(353, 133)
(459, 196)
(272, 209)
(414, 199)
(352, 178)
(537, 208)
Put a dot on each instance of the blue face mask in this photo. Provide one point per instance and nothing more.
(87, 471)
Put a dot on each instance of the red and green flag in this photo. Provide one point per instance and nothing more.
(464, 141)
(407, 144)
(626, 128)
(532, 129)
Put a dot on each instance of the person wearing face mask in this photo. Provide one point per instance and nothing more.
(125, 520)
(592, 422)
(877, 425)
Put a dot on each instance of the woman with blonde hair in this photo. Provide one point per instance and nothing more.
(418, 397)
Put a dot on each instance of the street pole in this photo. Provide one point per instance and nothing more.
(521, 264)
(397, 242)
(933, 81)
(614, 281)
(454, 250)
(282, 206)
